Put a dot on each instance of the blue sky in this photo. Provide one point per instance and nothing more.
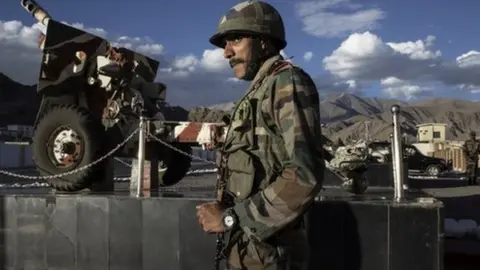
(184, 26)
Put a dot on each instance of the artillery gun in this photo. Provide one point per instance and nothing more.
(92, 96)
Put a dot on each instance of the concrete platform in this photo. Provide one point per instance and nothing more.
(462, 203)
(115, 231)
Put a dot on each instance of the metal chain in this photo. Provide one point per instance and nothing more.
(123, 162)
(116, 179)
(30, 177)
(180, 151)
(192, 172)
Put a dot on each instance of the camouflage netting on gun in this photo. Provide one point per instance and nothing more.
(348, 158)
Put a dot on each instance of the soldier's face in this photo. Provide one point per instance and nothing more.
(238, 50)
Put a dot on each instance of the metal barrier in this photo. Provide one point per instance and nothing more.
(140, 158)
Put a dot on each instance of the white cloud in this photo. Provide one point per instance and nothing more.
(469, 59)
(365, 57)
(327, 84)
(19, 53)
(391, 81)
(393, 87)
(308, 56)
(233, 79)
(185, 62)
(96, 31)
(320, 18)
(143, 45)
(474, 89)
(407, 91)
(213, 60)
(152, 49)
(417, 50)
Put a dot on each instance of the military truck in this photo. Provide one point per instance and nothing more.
(92, 95)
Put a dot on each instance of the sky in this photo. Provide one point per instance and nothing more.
(407, 49)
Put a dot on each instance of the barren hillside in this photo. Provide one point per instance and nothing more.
(18, 103)
(345, 115)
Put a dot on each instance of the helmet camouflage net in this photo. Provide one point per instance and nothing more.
(252, 18)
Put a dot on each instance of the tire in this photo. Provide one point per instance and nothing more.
(174, 165)
(81, 135)
(433, 170)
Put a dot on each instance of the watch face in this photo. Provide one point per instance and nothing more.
(228, 220)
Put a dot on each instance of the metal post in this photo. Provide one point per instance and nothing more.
(141, 156)
(392, 145)
(398, 165)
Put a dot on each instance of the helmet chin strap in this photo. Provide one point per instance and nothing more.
(257, 57)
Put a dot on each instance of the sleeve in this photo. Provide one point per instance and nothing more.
(464, 147)
(295, 109)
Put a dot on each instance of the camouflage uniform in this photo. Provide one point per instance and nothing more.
(274, 154)
(472, 150)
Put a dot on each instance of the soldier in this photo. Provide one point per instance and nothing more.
(472, 150)
(272, 165)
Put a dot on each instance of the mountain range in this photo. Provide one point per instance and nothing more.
(344, 116)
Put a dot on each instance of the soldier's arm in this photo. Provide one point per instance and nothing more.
(295, 109)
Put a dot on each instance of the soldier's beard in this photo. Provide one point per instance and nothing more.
(251, 68)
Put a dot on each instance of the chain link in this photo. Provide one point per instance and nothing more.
(45, 177)
(193, 157)
(123, 162)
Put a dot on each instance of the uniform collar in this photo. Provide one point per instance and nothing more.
(262, 72)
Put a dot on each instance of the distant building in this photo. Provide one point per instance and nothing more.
(431, 132)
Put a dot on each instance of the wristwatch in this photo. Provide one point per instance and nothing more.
(229, 219)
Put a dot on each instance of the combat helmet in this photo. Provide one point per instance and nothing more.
(251, 18)
(473, 133)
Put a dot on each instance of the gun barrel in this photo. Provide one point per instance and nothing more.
(40, 14)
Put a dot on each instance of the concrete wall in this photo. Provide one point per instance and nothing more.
(120, 232)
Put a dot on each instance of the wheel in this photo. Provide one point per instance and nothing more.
(67, 138)
(174, 165)
(433, 170)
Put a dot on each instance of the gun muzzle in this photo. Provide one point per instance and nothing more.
(37, 11)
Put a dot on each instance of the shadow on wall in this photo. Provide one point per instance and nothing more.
(333, 234)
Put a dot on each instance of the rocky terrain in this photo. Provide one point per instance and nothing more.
(18, 103)
(344, 115)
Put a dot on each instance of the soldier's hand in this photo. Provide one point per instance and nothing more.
(210, 217)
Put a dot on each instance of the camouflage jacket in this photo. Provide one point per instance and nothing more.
(274, 149)
(472, 148)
